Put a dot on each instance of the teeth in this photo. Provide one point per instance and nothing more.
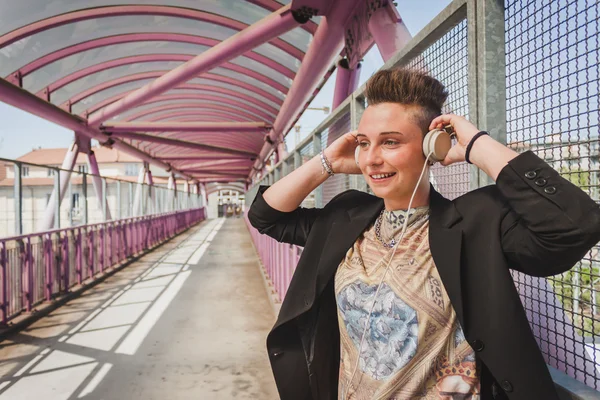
(381, 176)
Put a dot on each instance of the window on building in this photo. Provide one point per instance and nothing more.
(51, 172)
(24, 171)
(82, 169)
(132, 169)
(75, 205)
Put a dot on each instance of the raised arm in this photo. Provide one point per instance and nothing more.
(550, 223)
(276, 209)
(289, 192)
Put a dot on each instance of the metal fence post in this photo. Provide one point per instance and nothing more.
(104, 200)
(119, 211)
(18, 196)
(85, 199)
(357, 108)
(487, 74)
(57, 203)
(317, 147)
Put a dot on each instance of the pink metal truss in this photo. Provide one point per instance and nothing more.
(325, 47)
(184, 126)
(28, 102)
(271, 26)
(144, 37)
(237, 141)
(172, 57)
(155, 74)
(126, 10)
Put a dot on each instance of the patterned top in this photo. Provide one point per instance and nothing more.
(414, 348)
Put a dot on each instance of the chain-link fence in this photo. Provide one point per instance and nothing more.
(529, 74)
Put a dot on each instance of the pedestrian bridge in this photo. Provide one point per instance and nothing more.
(133, 286)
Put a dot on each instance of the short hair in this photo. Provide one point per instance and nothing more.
(408, 87)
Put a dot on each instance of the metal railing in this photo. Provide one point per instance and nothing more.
(528, 73)
(40, 266)
(88, 199)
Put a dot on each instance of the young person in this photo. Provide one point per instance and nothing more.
(405, 294)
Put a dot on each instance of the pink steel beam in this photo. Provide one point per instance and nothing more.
(23, 100)
(180, 143)
(145, 37)
(82, 73)
(238, 44)
(324, 49)
(118, 11)
(346, 82)
(222, 101)
(181, 106)
(388, 30)
(185, 126)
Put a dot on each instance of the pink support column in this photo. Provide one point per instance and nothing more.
(65, 176)
(97, 181)
(151, 195)
(172, 186)
(258, 33)
(137, 200)
(346, 82)
(388, 30)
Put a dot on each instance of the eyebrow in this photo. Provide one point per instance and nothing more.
(383, 133)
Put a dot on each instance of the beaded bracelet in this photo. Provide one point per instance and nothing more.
(326, 165)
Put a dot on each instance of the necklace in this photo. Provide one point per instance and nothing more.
(390, 244)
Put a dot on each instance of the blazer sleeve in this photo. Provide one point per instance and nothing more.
(288, 227)
(550, 223)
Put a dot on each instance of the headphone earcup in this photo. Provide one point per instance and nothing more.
(438, 143)
(356, 151)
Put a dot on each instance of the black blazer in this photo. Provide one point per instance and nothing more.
(532, 220)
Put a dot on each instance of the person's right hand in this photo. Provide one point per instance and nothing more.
(340, 154)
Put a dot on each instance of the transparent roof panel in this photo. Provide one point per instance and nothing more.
(68, 91)
(254, 82)
(200, 104)
(220, 95)
(151, 106)
(23, 12)
(202, 81)
(33, 47)
(298, 37)
(263, 70)
(94, 99)
(68, 65)
(278, 55)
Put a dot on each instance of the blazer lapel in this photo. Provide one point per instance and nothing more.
(445, 241)
(342, 235)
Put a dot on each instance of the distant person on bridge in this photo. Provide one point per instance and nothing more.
(405, 294)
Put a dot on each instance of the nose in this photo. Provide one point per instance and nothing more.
(373, 156)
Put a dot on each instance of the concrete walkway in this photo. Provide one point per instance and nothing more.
(187, 321)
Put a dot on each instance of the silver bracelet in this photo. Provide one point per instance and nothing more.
(326, 165)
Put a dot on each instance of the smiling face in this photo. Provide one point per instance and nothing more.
(391, 154)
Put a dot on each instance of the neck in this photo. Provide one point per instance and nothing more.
(421, 199)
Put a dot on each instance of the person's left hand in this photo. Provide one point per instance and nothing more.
(464, 130)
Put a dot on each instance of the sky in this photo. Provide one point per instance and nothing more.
(20, 132)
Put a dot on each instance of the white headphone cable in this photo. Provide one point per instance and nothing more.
(404, 226)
